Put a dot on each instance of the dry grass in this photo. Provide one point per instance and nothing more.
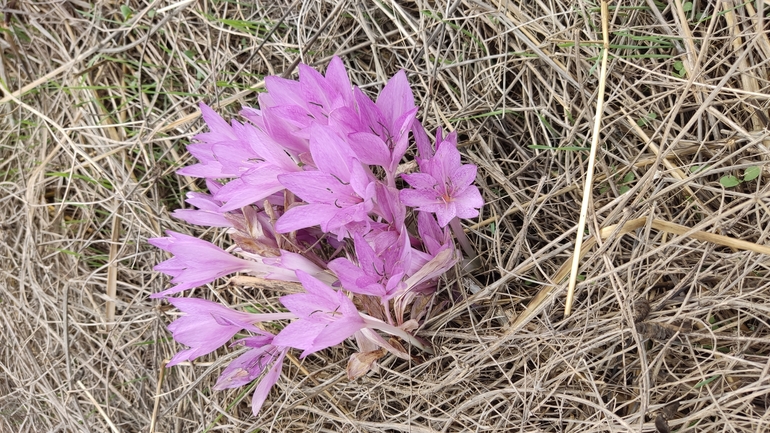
(99, 103)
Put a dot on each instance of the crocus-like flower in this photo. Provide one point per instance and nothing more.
(264, 358)
(339, 194)
(311, 175)
(196, 262)
(389, 121)
(444, 186)
(379, 273)
(433, 237)
(209, 211)
(206, 326)
(326, 317)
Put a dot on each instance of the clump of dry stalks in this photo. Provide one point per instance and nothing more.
(99, 102)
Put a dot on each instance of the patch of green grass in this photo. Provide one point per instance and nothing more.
(105, 183)
(483, 115)
(151, 342)
(126, 12)
(255, 28)
(623, 185)
(649, 117)
(705, 382)
(548, 126)
(679, 69)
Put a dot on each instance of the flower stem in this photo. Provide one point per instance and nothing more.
(373, 323)
(462, 238)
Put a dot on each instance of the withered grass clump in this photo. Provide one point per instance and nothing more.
(98, 104)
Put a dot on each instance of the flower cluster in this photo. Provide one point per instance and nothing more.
(314, 188)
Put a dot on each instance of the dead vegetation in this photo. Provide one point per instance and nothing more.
(98, 104)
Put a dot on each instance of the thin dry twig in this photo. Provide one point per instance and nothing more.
(589, 184)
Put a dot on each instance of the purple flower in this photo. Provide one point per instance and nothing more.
(196, 262)
(379, 272)
(209, 212)
(264, 358)
(206, 326)
(219, 132)
(318, 160)
(258, 168)
(326, 317)
(339, 194)
(444, 186)
(432, 236)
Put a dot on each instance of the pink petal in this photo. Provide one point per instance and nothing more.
(202, 217)
(315, 287)
(362, 181)
(212, 170)
(371, 116)
(390, 206)
(446, 160)
(337, 78)
(300, 334)
(468, 202)
(370, 149)
(330, 152)
(345, 120)
(244, 368)
(239, 193)
(218, 126)
(420, 180)
(303, 216)
(419, 197)
(395, 98)
(401, 137)
(444, 213)
(463, 176)
(321, 98)
(349, 275)
(267, 382)
(424, 148)
(290, 91)
(319, 187)
(335, 333)
(281, 128)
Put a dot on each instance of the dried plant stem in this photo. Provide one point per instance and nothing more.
(112, 273)
(588, 187)
(98, 408)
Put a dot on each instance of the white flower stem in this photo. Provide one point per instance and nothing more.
(373, 323)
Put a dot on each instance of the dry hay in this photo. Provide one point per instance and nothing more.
(103, 100)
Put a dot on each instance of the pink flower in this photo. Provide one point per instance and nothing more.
(196, 262)
(339, 193)
(432, 236)
(318, 160)
(379, 272)
(206, 326)
(444, 186)
(209, 212)
(263, 357)
(326, 317)
(383, 135)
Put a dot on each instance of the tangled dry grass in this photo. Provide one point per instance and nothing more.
(99, 101)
